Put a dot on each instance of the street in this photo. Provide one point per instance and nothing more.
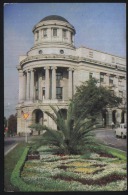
(106, 136)
(10, 142)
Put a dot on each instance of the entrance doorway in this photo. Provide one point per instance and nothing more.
(123, 116)
(37, 116)
(105, 118)
(114, 116)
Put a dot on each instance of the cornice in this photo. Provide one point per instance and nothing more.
(70, 58)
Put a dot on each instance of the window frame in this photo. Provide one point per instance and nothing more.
(101, 78)
(45, 32)
(111, 80)
(59, 95)
(64, 33)
(59, 76)
(54, 32)
(90, 75)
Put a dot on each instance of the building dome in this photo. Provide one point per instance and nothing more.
(54, 17)
(54, 31)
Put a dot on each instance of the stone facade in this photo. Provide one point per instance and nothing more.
(53, 67)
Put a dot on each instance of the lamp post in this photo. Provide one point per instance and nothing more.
(25, 116)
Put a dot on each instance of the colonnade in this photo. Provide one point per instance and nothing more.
(27, 84)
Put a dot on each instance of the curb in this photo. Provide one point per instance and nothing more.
(10, 149)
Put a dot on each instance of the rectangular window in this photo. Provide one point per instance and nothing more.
(101, 78)
(111, 80)
(43, 92)
(59, 75)
(90, 75)
(44, 32)
(64, 33)
(58, 92)
(54, 32)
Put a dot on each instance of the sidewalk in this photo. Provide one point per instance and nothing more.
(10, 149)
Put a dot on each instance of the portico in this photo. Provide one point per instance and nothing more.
(42, 83)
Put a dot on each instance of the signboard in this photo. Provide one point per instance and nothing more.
(25, 115)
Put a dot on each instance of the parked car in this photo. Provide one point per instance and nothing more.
(121, 131)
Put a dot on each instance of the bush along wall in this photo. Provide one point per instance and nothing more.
(16, 179)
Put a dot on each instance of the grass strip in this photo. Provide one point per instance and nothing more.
(16, 179)
(10, 161)
(117, 153)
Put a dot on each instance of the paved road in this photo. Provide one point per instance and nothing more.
(108, 137)
(10, 142)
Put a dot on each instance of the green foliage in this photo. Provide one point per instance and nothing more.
(90, 99)
(15, 177)
(12, 124)
(72, 134)
(5, 122)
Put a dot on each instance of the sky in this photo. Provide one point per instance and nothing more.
(99, 26)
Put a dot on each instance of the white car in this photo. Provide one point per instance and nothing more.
(121, 131)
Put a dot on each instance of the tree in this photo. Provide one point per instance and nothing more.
(71, 135)
(90, 99)
(5, 122)
(12, 124)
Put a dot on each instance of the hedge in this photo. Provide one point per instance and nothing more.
(16, 179)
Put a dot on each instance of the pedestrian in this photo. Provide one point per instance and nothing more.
(112, 124)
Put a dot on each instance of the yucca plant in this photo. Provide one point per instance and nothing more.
(72, 133)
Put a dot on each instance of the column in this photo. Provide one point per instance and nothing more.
(28, 85)
(125, 118)
(21, 86)
(109, 117)
(70, 83)
(46, 82)
(53, 82)
(39, 85)
(32, 85)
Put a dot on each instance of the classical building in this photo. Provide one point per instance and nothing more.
(53, 67)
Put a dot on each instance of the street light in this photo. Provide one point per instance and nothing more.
(25, 116)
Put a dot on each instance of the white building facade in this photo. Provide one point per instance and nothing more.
(53, 67)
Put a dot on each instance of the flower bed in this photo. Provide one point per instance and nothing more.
(72, 173)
